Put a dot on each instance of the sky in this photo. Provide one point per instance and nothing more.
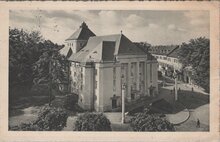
(154, 27)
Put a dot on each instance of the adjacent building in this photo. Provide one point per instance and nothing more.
(168, 61)
(102, 64)
(166, 56)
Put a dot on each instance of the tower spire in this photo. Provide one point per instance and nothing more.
(83, 25)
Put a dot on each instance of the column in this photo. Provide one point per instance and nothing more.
(146, 79)
(123, 103)
(129, 83)
(138, 76)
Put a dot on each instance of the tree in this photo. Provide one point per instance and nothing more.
(92, 122)
(23, 52)
(49, 119)
(150, 122)
(196, 54)
(29, 58)
(51, 66)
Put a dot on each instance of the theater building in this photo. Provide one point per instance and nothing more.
(102, 64)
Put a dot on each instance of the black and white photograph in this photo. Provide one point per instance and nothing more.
(109, 70)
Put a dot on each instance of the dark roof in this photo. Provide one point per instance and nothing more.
(174, 53)
(83, 33)
(162, 50)
(161, 106)
(104, 48)
(108, 50)
(150, 57)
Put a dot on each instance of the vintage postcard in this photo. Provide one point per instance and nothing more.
(109, 71)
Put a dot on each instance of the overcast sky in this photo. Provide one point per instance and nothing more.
(154, 27)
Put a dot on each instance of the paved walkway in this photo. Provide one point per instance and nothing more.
(179, 117)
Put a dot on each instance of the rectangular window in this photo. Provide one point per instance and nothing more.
(96, 84)
(114, 78)
(114, 72)
(114, 84)
(151, 73)
(95, 71)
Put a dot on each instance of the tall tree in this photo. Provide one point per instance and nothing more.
(23, 52)
(29, 58)
(196, 54)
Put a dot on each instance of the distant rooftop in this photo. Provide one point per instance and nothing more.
(162, 49)
(174, 53)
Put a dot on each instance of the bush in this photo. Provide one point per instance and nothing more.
(25, 127)
(49, 119)
(92, 122)
(70, 101)
(52, 119)
(150, 122)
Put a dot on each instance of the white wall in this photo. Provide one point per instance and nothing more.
(100, 98)
(174, 62)
(75, 45)
(104, 86)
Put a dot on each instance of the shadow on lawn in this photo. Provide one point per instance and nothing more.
(21, 97)
(193, 100)
(164, 103)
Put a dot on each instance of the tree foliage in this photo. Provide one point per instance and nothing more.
(92, 122)
(49, 119)
(150, 122)
(196, 54)
(29, 58)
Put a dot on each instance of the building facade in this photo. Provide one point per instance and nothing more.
(104, 64)
(168, 61)
(166, 56)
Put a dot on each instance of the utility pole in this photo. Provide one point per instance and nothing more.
(123, 103)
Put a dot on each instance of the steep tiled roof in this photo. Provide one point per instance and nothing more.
(174, 53)
(104, 48)
(83, 33)
(162, 50)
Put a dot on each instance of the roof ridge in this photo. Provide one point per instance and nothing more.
(119, 43)
(172, 50)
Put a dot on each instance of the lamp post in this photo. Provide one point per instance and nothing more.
(175, 86)
(123, 103)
